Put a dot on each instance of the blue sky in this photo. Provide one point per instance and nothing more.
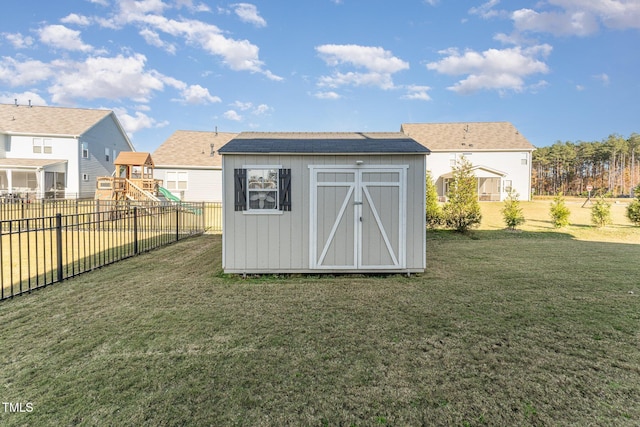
(557, 69)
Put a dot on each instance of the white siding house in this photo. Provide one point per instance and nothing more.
(190, 167)
(499, 153)
(52, 152)
(323, 202)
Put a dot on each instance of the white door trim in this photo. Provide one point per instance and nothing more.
(359, 190)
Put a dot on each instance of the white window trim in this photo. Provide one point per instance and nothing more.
(250, 211)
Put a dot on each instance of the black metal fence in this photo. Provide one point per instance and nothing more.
(14, 208)
(40, 251)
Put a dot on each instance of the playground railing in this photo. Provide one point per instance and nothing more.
(39, 251)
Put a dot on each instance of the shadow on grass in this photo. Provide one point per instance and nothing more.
(442, 235)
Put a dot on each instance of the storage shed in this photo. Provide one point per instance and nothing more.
(323, 202)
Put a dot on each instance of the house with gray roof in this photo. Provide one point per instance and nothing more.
(499, 153)
(54, 152)
(323, 202)
(189, 165)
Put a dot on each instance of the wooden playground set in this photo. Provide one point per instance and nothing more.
(133, 180)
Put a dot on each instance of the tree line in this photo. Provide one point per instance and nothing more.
(610, 166)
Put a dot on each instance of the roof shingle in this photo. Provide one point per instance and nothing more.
(323, 143)
(191, 148)
(37, 120)
(475, 136)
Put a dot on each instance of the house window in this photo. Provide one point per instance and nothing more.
(508, 185)
(524, 159)
(452, 160)
(85, 150)
(263, 189)
(42, 145)
(115, 154)
(106, 155)
(176, 181)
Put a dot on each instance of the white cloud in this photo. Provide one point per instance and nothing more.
(604, 78)
(262, 109)
(134, 123)
(23, 98)
(239, 55)
(242, 106)
(579, 17)
(62, 37)
(379, 65)
(327, 95)
(249, 13)
(232, 115)
(18, 40)
(29, 72)
(419, 93)
(198, 95)
(493, 69)
(76, 19)
(118, 77)
(153, 38)
(486, 10)
(100, 2)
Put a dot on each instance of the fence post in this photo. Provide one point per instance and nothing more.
(59, 244)
(177, 224)
(135, 230)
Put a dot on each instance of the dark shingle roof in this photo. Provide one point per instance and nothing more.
(322, 143)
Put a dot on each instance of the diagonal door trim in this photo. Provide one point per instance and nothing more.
(332, 234)
(380, 226)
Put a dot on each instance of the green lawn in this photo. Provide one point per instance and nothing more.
(538, 327)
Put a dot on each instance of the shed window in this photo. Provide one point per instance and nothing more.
(262, 190)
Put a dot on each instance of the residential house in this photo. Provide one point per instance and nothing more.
(55, 152)
(500, 156)
(189, 166)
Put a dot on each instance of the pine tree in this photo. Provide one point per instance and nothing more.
(512, 211)
(433, 209)
(462, 210)
(559, 212)
(601, 213)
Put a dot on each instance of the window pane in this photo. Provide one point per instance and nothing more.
(263, 199)
(263, 178)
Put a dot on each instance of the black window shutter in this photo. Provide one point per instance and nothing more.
(240, 178)
(285, 190)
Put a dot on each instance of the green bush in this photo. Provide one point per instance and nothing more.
(462, 210)
(512, 211)
(633, 210)
(559, 212)
(601, 213)
(433, 209)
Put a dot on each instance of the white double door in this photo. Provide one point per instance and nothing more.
(358, 217)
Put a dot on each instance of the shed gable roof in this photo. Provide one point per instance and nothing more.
(323, 143)
(191, 148)
(37, 120)
(477, 136)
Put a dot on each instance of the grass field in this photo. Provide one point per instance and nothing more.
(531, 328)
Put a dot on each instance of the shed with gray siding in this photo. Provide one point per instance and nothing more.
(323, 202)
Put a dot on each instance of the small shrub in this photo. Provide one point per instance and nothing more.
(633, 210)
(559, 212)
(601, 213)
(512, 211)
(462, 210)
(433, 209)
